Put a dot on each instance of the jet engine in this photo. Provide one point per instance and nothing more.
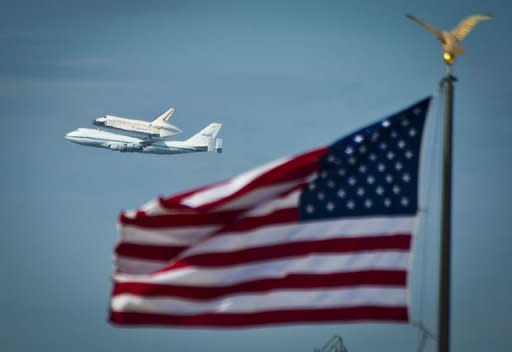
(125, 147)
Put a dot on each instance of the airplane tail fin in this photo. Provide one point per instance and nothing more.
(207, 136)
(163, 117)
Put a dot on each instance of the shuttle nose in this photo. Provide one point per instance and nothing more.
(100, 121)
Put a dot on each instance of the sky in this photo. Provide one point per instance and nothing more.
(283, 77)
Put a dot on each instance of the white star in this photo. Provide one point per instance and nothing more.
(386, 123)
(310, 209)
(396, 189)
(404, 201)
(398, 165)
(341, 193)
(375, 136)
(368, 203)
(352, 160)
(350, 204)
(352, 180)
(349, 150)
(391, 155)
(341, 172)
(330, 206)
(379, 190)
(320, 196)
(362, 169)
(409, 154)
(406, 177)
(394, 134)
(373, 157)
(370, 179)
(416, 111)
(381, 167)
(331, 158)
(412, 132)
(387, 202)
(312, 186)
(362, 149)
(401, 144)
(331, 184)
(383, 145)
(360, 191)
(405, 122)
(358, 138)
(389, 178)
(323, 174)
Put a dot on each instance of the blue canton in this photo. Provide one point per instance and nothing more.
(371, 172)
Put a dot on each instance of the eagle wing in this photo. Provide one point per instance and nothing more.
(427, 26)
(467, 24)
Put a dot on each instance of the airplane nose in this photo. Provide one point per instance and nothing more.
(70, 135)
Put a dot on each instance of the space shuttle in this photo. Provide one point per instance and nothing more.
(158, 127)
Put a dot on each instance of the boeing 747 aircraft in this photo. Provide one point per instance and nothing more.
(157, 127)
(204, 141)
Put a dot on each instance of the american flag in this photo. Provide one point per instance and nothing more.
(324, 236)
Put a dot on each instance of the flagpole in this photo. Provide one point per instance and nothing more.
(445, 259)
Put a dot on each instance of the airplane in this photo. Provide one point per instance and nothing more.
(157, 127)
(204, 141)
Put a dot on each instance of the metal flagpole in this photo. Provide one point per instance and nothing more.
(445, 257)
(450, 41)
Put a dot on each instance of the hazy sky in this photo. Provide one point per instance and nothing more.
(283, 77)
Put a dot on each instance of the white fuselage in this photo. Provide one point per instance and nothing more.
(161, 129)
(123, 143)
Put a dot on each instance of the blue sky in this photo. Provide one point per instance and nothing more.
(283, 77)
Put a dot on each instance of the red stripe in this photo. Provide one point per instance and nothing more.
(291, 281)
(281, 216)
(359, 313)
(150, 252)
(295, 169)
(298, 167)
(294, 249)
(179, 220)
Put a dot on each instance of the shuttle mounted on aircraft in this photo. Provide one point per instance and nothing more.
(158, 127)
(204, 141)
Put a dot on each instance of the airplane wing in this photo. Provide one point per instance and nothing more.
(148, 141)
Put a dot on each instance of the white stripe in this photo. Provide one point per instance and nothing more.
(311, 264)
(248, 303)
(251, 199)
(290, 200)
(176, 236)
(317, 230)
(152, 207)
(137, 266)
(259, 195)
(231, 186)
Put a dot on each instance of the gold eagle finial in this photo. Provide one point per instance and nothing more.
(451, 39)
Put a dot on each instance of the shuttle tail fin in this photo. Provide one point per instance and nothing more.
(163, 117)
(206, 135)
